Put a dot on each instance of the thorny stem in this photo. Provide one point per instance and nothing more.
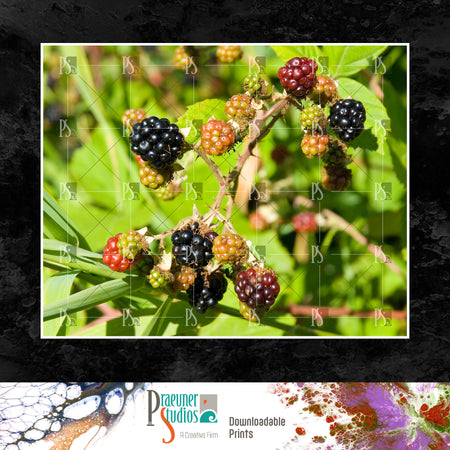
(338, 222)
(233, 176)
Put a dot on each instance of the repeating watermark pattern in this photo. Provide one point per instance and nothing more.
(190, 318)
(317, 315)
(323, 65)
(64, 129)
(67, 65)
(316, 191)
(383, 191)
(68, 190)
(316, 255)
(382, 318)
(66, 319)
(379, 67)
(258, 192)
(130, 65)
(67, 253)
(257, 64)
(128, 319)
(194, 191)
(380, 256)
(131, 191)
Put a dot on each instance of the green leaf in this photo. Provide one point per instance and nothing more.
(377, 118)
(57, 225)
(93, 296)
(287, 52)
(198, 114)
(155, 327)
(347, 60)
(51, 245)
(57, 286)
(399, 158)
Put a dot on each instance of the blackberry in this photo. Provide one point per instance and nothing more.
(314, 145)
(229, 53)
(298, 76)
(217, 137)
(184, 278)
(257, 287)
(336, 177)
(312, 118)
(207, 291)
(129, 244)
(337, 155)
(154, 178)
(305, 222)
(325, 90)
(157, 279)
(157, 141)
(279, 154)
(229, 248)
(347, 119)
(132, 116)
(252, 84)
(168, 192)
(238, 107)
(190, 248)
(112, 257)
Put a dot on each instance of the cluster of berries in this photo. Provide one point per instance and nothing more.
(185, 55)
(122, 251)
(157, 144)
(193, 248)
(346, 118)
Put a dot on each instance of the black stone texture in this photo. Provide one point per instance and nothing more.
(25, 357)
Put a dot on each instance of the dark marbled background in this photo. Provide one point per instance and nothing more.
(24, 357)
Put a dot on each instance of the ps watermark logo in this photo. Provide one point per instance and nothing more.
(67, 65)
(258, 192)
(383, 318)
(130, 191)
(65, 319)
(67, 253)
(317, 315)
(67, 191)
(128, 319)
(64, 129)
(258, 63)
(383, 191)
(194, 191)
(322, 63)
(130, 65)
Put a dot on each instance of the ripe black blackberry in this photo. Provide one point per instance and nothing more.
(336, 177)
(192, 249)
(157, 141)
(347, 119)
(207, 291)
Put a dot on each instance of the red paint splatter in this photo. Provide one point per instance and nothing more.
(301, 431)
(439, 414)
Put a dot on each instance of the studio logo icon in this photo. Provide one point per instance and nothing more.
(208, 408)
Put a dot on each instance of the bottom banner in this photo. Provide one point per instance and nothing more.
(75, 416)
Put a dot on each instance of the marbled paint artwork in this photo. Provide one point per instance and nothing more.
(363, 416)
(62, 416)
